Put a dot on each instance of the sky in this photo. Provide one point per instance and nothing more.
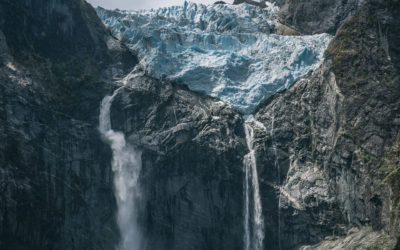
(143, 4)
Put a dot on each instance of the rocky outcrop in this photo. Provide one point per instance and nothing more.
(256, 3)
(279, 3)
(364, 238)
(298, 17)
(260, 3)
(315, 16)
(333, 131)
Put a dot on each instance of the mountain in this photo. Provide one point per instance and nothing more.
(200, 127)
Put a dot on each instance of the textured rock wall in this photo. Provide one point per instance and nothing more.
(315, 16)
(333, 129)
(336, 132)
(55, 190)
(260, 3)
(37, 26)
(192, 150)
(55, 176)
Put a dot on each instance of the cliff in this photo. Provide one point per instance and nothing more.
(55, 60)
(335, 131)
(326, 149)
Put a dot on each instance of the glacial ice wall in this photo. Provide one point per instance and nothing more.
(226, 51)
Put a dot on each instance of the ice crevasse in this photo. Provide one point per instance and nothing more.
(226, 51)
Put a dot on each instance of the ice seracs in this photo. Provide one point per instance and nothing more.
(226, 51)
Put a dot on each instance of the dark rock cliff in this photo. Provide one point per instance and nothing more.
(57, 63)
(328, 159)
(260, 3)
(317, 16)
(192, 152)
(310, 17)
(56, 192)
(335, 131)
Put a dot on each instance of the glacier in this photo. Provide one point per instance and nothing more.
(222, 50)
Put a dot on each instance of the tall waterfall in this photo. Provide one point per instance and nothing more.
(126, 165)
(251, 176)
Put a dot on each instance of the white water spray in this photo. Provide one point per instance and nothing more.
(246, 216)
(126, 165)
(251, 175)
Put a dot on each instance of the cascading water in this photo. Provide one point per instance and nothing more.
(246, 207)
(256, 241)
(126, 165)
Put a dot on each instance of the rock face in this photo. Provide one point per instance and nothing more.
(255, 3)
(192, 151)
(55, 172)
(365, 238)
(327, 149)
(260, 3)
(334, 131)
(56, 192)
(316, 16)
(311, 17)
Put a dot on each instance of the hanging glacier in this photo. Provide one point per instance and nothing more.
(225, 51)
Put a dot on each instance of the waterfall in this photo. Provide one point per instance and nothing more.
(246, 206)
(126, 165)
(251, 175)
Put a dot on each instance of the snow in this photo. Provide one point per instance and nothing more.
(226, 51)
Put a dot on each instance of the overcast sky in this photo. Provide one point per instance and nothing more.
(142, 4)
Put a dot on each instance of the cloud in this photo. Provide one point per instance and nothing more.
(140, 4)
